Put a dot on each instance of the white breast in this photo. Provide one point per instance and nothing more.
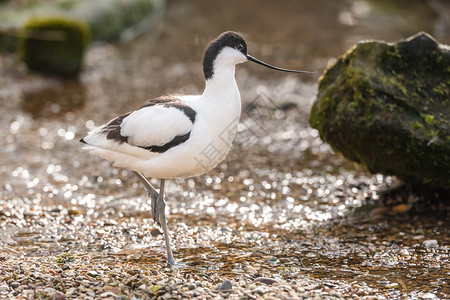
(211, 137)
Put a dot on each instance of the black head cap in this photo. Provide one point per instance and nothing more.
(226, 39)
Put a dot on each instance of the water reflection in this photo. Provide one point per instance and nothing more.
(55, 99)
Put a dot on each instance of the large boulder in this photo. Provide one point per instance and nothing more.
(387, 106)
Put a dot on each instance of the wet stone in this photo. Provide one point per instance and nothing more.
(225, 286)
(430, 244)
(404, 252)
(92, 273)
(107, 294)
(57, 296)
(265, 280)
(427, 296)
(49, 291)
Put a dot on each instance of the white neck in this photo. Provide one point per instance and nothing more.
(221, 95)
(223, 81)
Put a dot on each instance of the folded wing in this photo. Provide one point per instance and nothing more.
(158, 126)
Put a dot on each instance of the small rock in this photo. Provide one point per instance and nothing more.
(430, 244)
(4, 288)
(265, 280)
(90, 293)
(110, 222)
(15, 284)
(57, 296)
(27, 293)
(92, 273)
(70, 291)
(49, 291)
(167, 296)
(404, 252)
(428, 296)
(155, 232)
(155, 288)
(225, 286)
(107, 294)
(73, 211)
(259, 290)
(56, 209)
(113, 289)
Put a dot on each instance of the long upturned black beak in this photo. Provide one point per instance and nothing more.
(251, 58)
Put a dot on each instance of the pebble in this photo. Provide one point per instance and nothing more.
(265, 280)
(4, 288)
(73, 211)
(49, 291)
(90, 293)
(430, 244)
(57, 296)
(225, 286)
(15, 284)
(107, 294)
(260, 290)
(70, 291)
(167, 296)
(428, 296)
(109, 288)
(404, 252)
(92, 273)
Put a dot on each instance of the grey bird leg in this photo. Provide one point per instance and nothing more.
(162, 219)
(153, 194)
(158, 211)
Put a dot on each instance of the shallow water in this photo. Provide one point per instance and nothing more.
(282, 205)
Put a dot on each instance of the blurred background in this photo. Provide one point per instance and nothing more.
(280, 180)
(300, 34)
(166, 55)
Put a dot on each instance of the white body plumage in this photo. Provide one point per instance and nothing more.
(211, 134)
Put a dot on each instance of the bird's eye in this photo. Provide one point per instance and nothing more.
(239, 47)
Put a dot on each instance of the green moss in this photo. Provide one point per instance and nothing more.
(429, 119)
(54, 45)
(394, 52)
(67, 4)
(416, 125)
(41, 295)
(155, 288)
(65, 257)
(441, 90)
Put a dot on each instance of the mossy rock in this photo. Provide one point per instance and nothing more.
(54, 45)
(387, 106)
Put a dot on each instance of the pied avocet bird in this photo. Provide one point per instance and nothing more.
(179, 136)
